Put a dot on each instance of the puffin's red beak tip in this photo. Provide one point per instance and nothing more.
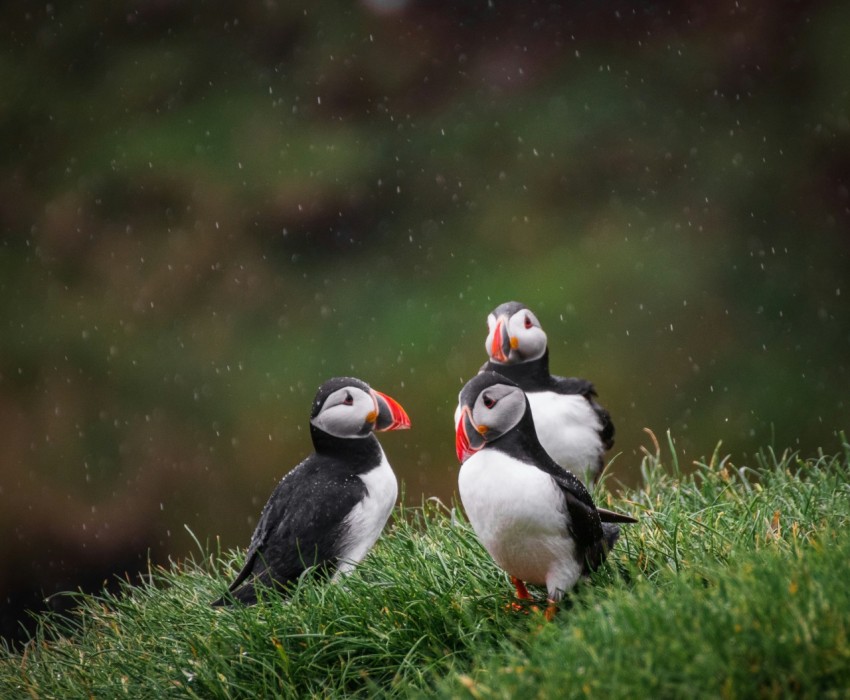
(391, 415)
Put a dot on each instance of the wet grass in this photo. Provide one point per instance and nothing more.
(733, 584)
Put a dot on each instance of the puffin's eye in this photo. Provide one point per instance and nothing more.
(488, 401)
(348, 400)
(528, 323)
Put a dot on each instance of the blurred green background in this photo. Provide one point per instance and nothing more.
(209, 208)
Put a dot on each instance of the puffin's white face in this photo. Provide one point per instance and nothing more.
(516, 338)
(496, 410)
(352, 412)
(348, 412)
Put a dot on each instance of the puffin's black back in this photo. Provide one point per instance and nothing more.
(300, 525)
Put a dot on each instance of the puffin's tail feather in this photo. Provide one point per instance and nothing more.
(610, 516)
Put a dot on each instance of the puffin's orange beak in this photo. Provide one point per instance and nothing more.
(389, 414)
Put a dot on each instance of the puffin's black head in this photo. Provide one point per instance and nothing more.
(514, 334)
(491, 406)
(346, 407)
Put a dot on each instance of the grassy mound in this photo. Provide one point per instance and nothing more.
(733, 584)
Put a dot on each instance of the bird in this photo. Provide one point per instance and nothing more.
(573, 428)
(330, 509)
(536, 519)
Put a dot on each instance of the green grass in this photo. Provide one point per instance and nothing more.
(734, 584)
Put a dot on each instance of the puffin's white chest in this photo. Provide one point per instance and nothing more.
(366, 520)
(519, 514)
(568, 428)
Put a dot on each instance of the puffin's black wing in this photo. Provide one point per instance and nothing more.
(593, 528)
(568, 482)
(584, 522)
(272, 512)
(576, 385)
(586, 528)
(300, 526)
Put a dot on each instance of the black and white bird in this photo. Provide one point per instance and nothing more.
(536, 519)
(331, 508)
(573, 428)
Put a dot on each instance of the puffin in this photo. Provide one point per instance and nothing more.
(536, 519)
(330, 509)
(573, 428)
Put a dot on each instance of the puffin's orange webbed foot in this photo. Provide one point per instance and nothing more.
(521, 591)
(522, 595)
